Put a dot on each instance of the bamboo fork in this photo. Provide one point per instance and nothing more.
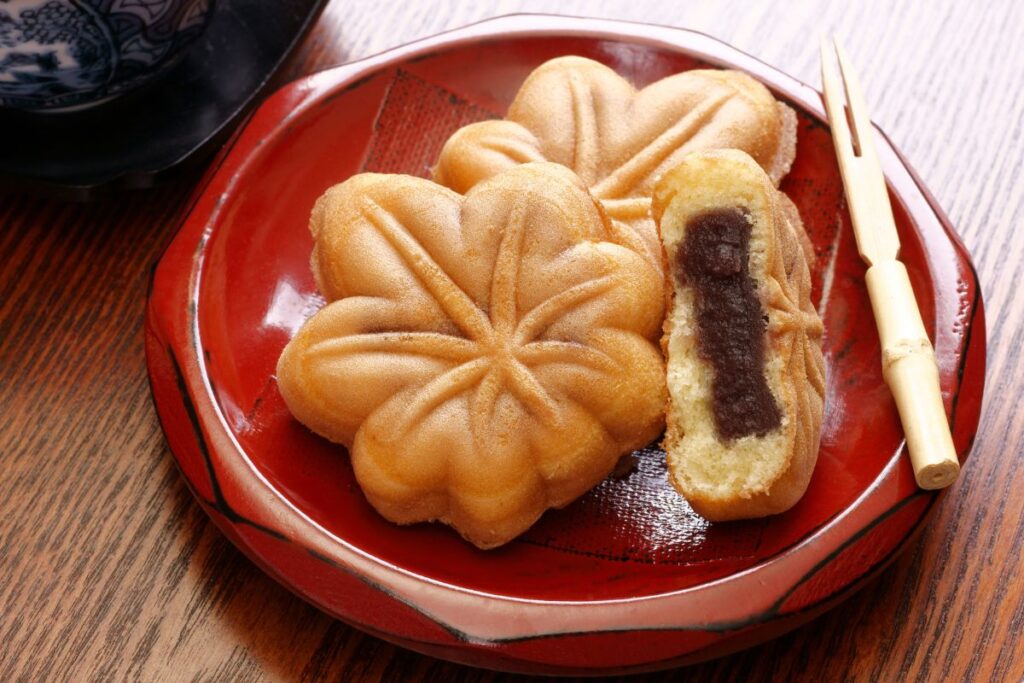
(908, 359)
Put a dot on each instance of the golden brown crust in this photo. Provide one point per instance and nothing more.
(792, 215)
(785, 152)
(793, 335)
(484, 357)
(581, 114)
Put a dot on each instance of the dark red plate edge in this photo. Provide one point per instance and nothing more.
(299, 94)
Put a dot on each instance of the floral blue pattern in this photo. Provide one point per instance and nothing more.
(60, 53)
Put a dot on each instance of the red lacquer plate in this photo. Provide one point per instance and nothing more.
(628, 578)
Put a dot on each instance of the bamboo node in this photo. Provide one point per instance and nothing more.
(904, 348)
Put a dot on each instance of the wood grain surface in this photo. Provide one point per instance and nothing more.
(110, 571)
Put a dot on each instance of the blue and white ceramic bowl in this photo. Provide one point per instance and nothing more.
(57, 54)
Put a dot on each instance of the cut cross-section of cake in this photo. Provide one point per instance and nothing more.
(746, 377)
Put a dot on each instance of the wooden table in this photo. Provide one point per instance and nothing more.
(109, 570)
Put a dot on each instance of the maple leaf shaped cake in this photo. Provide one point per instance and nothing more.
(484, 357)
(581, 114)
(746, 377)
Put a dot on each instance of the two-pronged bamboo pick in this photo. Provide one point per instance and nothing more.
(908, 359)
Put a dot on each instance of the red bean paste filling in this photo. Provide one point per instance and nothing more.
(713, 260)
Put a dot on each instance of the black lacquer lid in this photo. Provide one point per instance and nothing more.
(135, 140)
